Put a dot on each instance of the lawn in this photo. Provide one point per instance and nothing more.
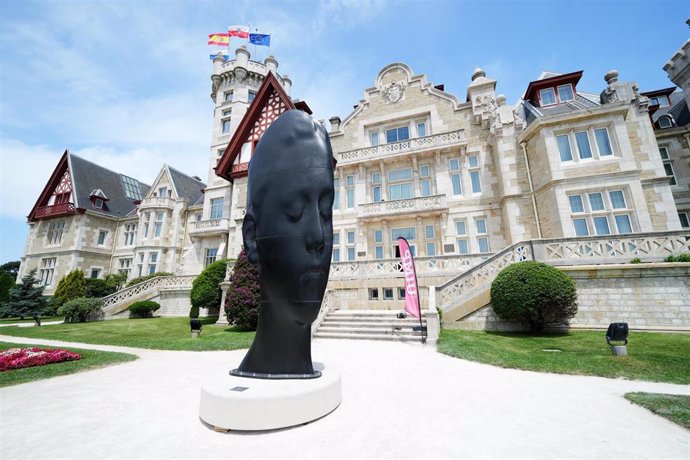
(90, 359)
(673, 407)
(651, 356)
(31, 320)
(155, 333)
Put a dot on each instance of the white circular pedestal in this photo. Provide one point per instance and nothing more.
(240, 403)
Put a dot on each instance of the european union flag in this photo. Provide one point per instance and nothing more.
(260, 39)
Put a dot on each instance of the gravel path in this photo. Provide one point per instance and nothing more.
(399, 400)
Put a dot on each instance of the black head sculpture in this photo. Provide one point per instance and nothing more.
(288, 233)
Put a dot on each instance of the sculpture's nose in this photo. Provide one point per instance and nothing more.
(314, 238)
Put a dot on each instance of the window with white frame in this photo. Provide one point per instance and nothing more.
(564, 150)
(565, 93)
(456, 183)
(684, 217)
(400, 184)
(482, 235)
(401, 133)
(387, 293)
(98, 203)
(547, 96)
(147, 223)
(603, 142)
(153, 262)
(373, 294)
(158, 225)
(95, 273)
(661, 101)
(430, 249)
(668, 164)
(336, 246)
(225, 121)
(350, 191)
(401, 293)
(475, 177)
(336, 193)
(421, 129)
(374, 138)
(211, 256)
(140, 265)
(55, 229)
(216, 208)
(227, 96)
(600, 212)
(665, 122)
(102, 235)
(409, 233)
(425, 180)
(584, 149)
(125, 267)
(461, 232)
(250, 96)
(376, 187)
(429, 232)
(378, 244)
(163, 192)
(47, 270)
(130, 234)
(351, 245)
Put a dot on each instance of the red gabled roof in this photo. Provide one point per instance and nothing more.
(48, 189)
(659, 92)
(256, 117)
(534, 86)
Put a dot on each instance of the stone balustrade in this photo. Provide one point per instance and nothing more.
(210, 227)
(157, 202)
(610, 249)
(416, 206)
(447, 139)
(388, 268)
(117, 302)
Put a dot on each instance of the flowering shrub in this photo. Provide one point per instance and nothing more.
(17, 358)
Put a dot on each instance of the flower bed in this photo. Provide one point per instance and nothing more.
(17, 358)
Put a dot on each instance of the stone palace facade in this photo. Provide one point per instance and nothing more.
(462, 177)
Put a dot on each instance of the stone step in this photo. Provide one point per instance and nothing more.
(354, 323)
(369, 330)
(391, 338)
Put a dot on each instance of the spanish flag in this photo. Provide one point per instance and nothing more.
(219, 39)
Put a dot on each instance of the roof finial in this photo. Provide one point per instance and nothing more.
(478, 72)
(611, 76)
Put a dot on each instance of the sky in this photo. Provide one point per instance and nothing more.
(126, 83)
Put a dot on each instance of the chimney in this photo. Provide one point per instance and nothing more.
(335, 123)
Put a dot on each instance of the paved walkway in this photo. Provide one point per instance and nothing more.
(399, 400)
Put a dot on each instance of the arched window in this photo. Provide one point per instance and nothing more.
(665, 122)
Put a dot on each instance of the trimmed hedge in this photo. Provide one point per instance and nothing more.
(140, 279)
(206, 287)
(82, 310)
(143, 309)
(535, 293)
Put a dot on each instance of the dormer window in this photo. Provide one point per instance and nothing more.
(547, 96)
(665, 122)
(98, 203)
(98, 198)
(565, 93)
(661, 101)
(163, 192)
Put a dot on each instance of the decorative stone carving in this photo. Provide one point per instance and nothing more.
(395, 92)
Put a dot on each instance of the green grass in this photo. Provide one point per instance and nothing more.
(90, 359)
(31, 320)
(651, 356)
(676, 408)
(155, 333)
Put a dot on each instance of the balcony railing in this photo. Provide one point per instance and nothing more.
(419, 205)
(209, 227)
(157, 202)
(55, 210)
(421, 143)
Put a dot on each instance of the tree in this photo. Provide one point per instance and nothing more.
(536, 293)
(26, 299)
(206, 291)
(72, 286)
(243, 297)
(11, 267)
(6, 283)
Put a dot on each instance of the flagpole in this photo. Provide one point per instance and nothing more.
(416, 282)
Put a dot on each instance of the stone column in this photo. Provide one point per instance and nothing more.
(222, 319)
(421, 248)
(386, 241)
(384, 189)
(415, 178)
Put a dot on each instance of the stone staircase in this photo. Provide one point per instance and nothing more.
(369, 325)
